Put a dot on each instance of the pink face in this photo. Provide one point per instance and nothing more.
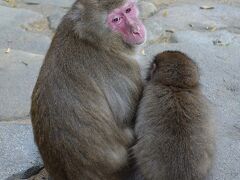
(125, 20)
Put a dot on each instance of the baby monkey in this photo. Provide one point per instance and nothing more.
(174, 131)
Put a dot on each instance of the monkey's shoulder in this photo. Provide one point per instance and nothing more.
(164, 101)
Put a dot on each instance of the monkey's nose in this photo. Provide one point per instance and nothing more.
(135, 30)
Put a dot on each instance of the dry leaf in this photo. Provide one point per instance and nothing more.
(26, 64)
(170, 30)
(11, 3)
(214, 28)
(211, 28)
(143, 52)
(165, 13)
(8, 50)
(207, 7)
(220, 43)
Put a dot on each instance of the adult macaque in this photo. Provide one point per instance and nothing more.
(88, 90)
(174, 131)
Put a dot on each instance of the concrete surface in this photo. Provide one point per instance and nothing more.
(17, 149)
(211, 37)
(18, 74)
(15, 25)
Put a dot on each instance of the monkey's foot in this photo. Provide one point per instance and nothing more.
(43, 174)
(34, 173)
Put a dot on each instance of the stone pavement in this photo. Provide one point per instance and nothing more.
(210, 36)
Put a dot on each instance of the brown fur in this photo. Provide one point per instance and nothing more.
(85, 98)
(174, 130)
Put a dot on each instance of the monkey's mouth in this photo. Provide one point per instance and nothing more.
(136, 34)
(137, 38)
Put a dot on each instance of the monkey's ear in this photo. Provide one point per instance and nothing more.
(151, 71)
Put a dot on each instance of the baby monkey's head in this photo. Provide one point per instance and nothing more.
(173, 68)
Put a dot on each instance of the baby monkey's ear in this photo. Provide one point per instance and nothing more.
(151, 71)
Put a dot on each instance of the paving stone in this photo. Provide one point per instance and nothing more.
(147, 9)
(15, 34)
(61, 3)
(191, 17)
(18, 73)
(211, 37)
(204, 2)
(18, 151)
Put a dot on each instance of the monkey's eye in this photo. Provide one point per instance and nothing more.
(115, 20)
(128, 10)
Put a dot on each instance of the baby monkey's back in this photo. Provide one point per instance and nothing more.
(174, 131)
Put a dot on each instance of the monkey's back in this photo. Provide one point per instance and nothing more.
(175, 138)
(82, 101)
